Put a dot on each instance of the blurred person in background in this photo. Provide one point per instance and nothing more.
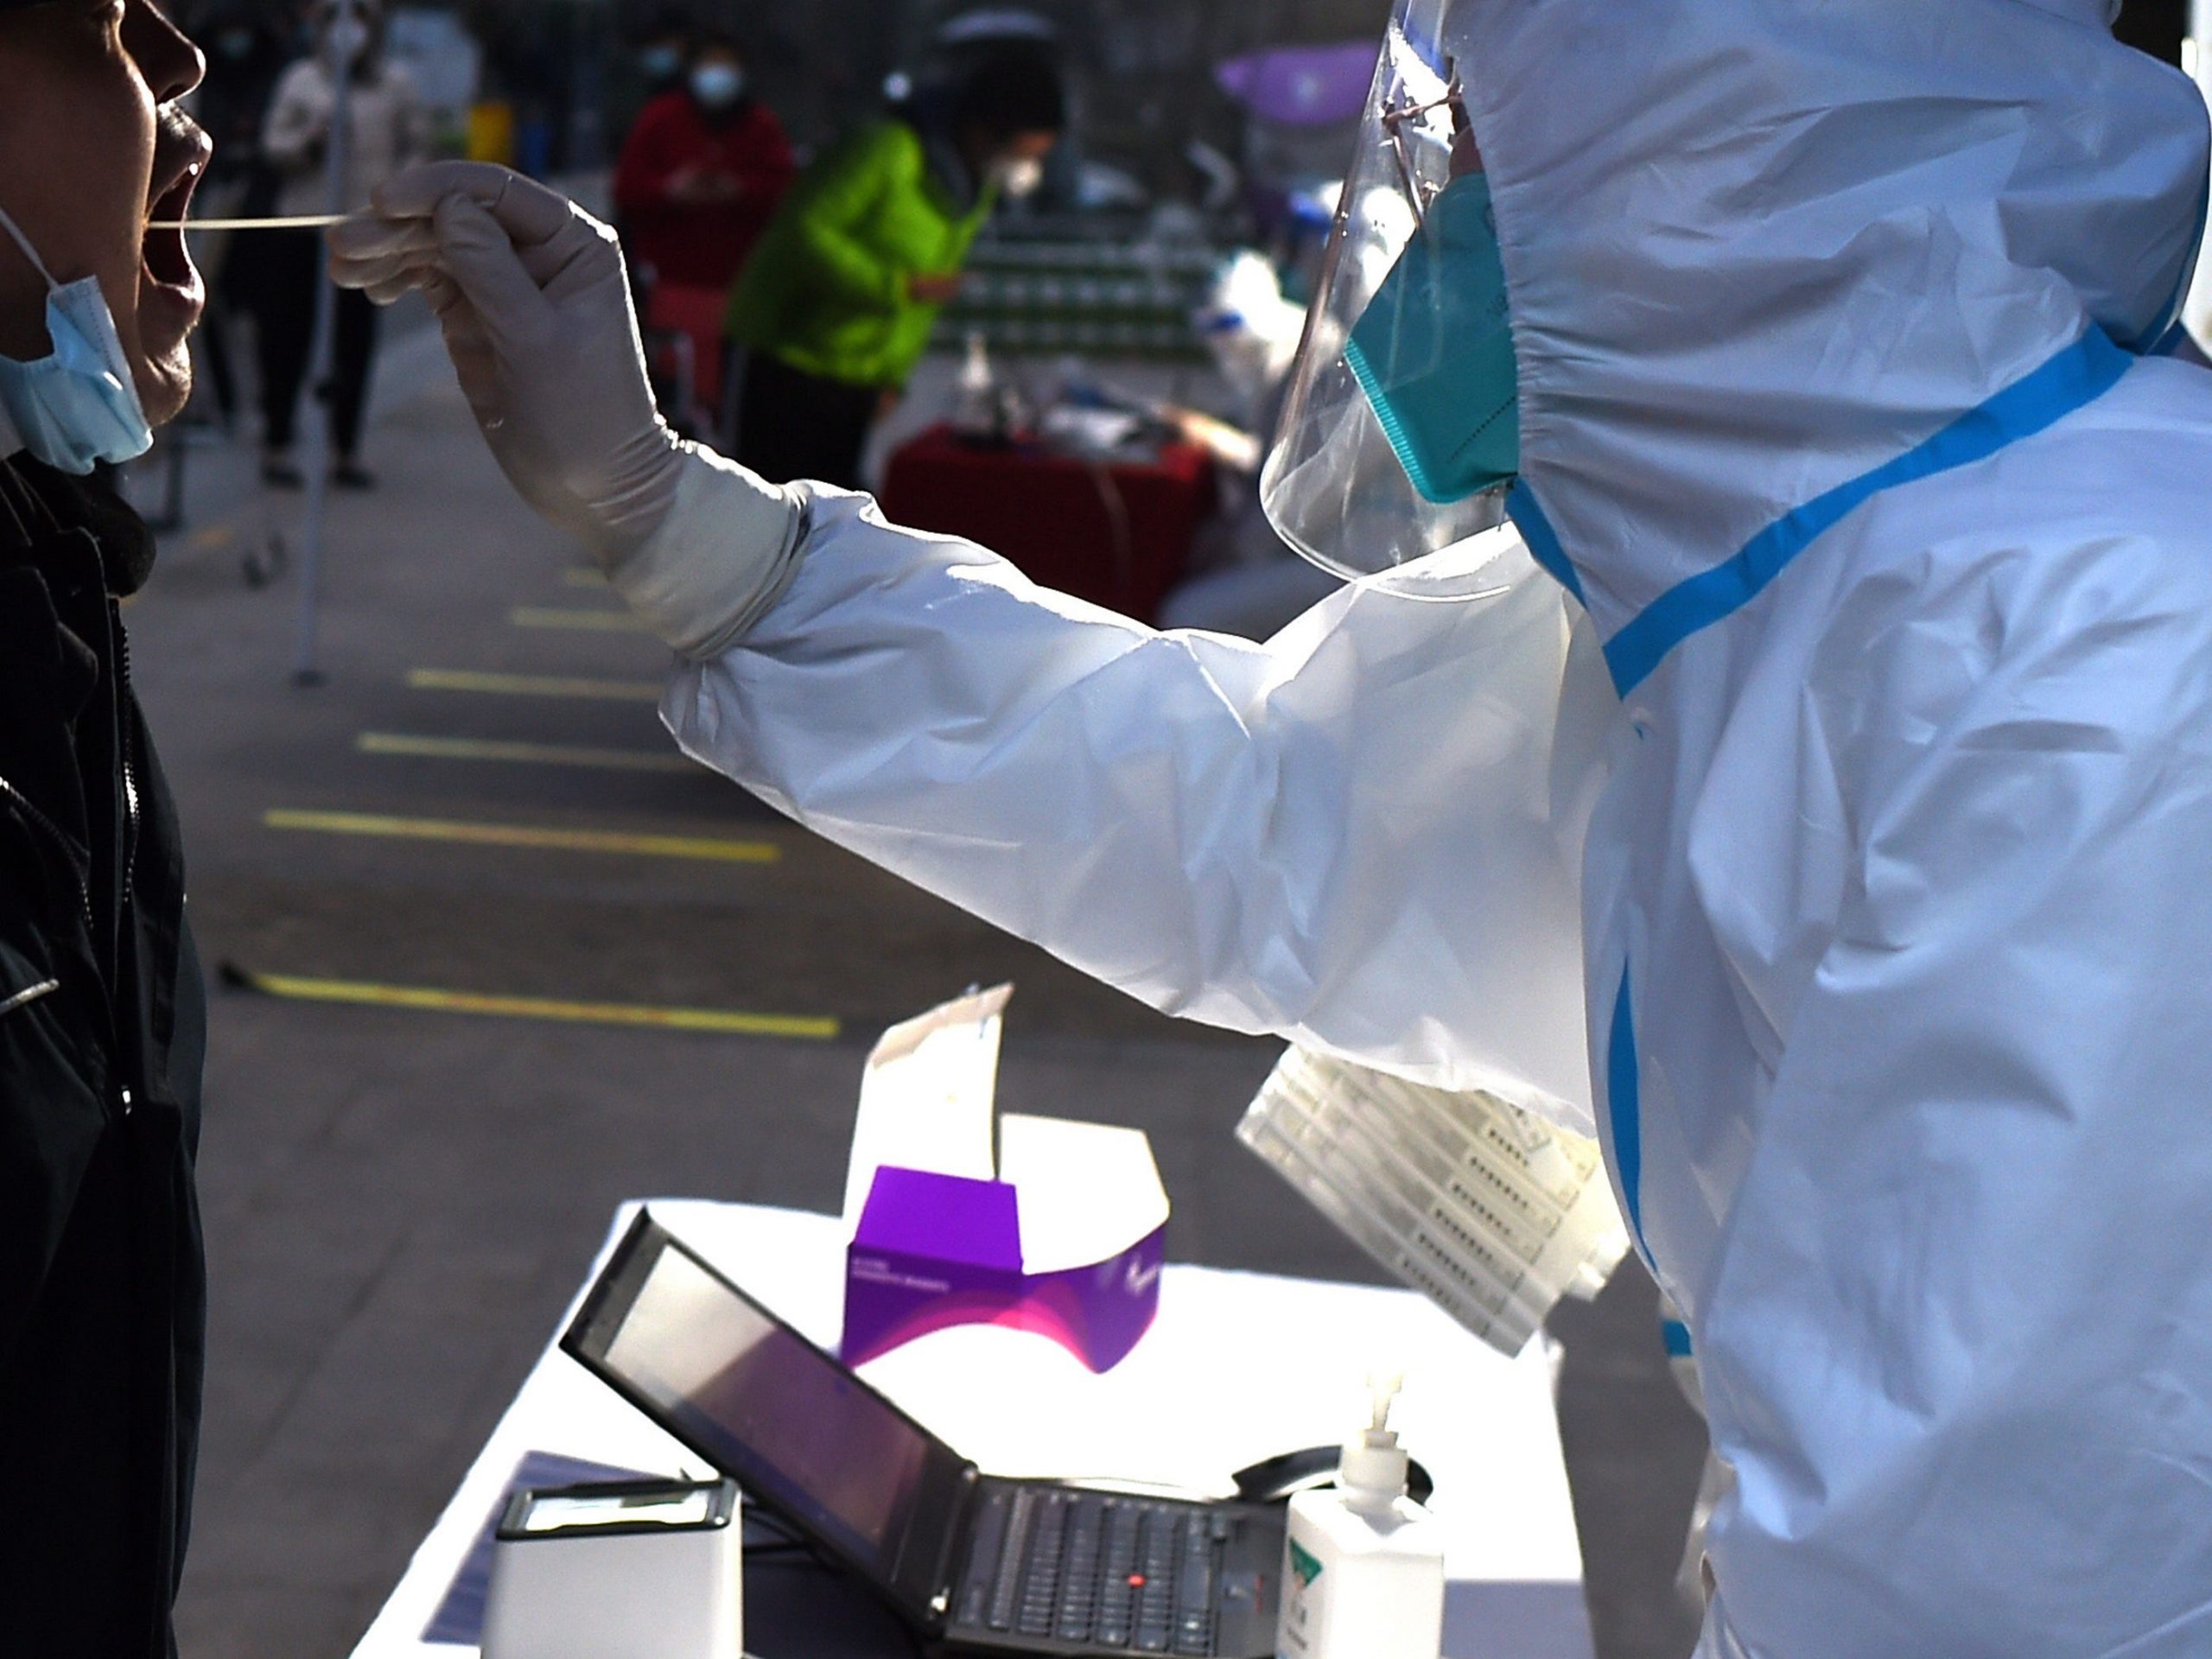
(664, 52)
(387, 130)
(835, 307)
(660, 52)
(244, 57)
(700, 174)
(102, 1013)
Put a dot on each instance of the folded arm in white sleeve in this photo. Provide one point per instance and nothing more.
(1356, 836)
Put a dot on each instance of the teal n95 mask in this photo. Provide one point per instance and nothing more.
(76, 406)
(1401, 421)
(1434, 353)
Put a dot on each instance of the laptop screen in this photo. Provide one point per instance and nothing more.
(798, 1431)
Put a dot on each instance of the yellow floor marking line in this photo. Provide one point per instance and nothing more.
(539, 754)
(427, 999)
(531, 685)
(710, 849)
(545, 616)
(583, 575)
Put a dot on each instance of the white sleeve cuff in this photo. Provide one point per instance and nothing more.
(720, 559)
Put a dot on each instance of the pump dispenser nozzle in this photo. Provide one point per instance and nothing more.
(1382, 1388)
(1373, 1470)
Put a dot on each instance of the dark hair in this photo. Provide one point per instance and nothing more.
(1013, 89)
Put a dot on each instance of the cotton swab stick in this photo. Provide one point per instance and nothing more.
(297, 222)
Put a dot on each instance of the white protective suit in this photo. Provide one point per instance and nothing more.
(1885, 811)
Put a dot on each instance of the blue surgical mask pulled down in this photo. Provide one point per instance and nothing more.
(78, 406)
(1434, 352)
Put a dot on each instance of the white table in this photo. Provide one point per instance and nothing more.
(1239, 1367)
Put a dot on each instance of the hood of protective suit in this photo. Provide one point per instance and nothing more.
(1758, 249)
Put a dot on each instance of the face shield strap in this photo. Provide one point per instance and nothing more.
(1397, 118)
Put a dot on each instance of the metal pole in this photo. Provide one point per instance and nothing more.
(343, 46)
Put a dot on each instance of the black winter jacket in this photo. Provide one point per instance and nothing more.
(102, 1034)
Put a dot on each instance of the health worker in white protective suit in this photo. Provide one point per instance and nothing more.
(1826, 812)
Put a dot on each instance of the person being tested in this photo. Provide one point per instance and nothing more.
(102, 1015)
(1813, 791)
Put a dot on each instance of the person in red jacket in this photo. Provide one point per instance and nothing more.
(701, 172)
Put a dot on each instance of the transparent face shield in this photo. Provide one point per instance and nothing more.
(1402, 257)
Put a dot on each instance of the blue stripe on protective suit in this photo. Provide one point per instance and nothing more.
(2079, 375)
(1543, 544)
(1622, 1109)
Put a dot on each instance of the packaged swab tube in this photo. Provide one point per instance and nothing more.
(1488, 1210)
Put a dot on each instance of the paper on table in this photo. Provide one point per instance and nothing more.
(927, 1097)
(1087, 1192)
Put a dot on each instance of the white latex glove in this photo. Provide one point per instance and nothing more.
(535, 303)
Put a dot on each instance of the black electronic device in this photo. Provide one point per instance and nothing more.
(1277, 1480)
(974, 1561)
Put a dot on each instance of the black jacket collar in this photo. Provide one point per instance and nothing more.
(36, 503)
(66, 548)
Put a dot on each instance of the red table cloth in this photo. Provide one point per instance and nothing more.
(1118, 533)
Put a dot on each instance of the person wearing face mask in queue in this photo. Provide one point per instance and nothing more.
(836, 306)
(387, 128)
(700, 175)
(663, 50)
(244, 58)
(102, 1013)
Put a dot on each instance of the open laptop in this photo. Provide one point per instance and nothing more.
(969, 1559)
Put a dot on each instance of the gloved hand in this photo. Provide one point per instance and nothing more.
(535, 303)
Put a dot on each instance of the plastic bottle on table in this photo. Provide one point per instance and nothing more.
(1363, 1564)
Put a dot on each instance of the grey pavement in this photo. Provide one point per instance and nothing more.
(399, 1202)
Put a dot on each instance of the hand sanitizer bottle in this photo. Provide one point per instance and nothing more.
(977, 412)
(1363, 1564)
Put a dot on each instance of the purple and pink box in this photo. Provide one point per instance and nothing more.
(959, 1215)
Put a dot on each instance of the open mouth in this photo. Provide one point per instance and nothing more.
(168, 261)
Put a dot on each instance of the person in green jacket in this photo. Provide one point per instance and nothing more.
(835, 305)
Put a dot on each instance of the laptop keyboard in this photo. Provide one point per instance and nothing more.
(1094, 1567)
